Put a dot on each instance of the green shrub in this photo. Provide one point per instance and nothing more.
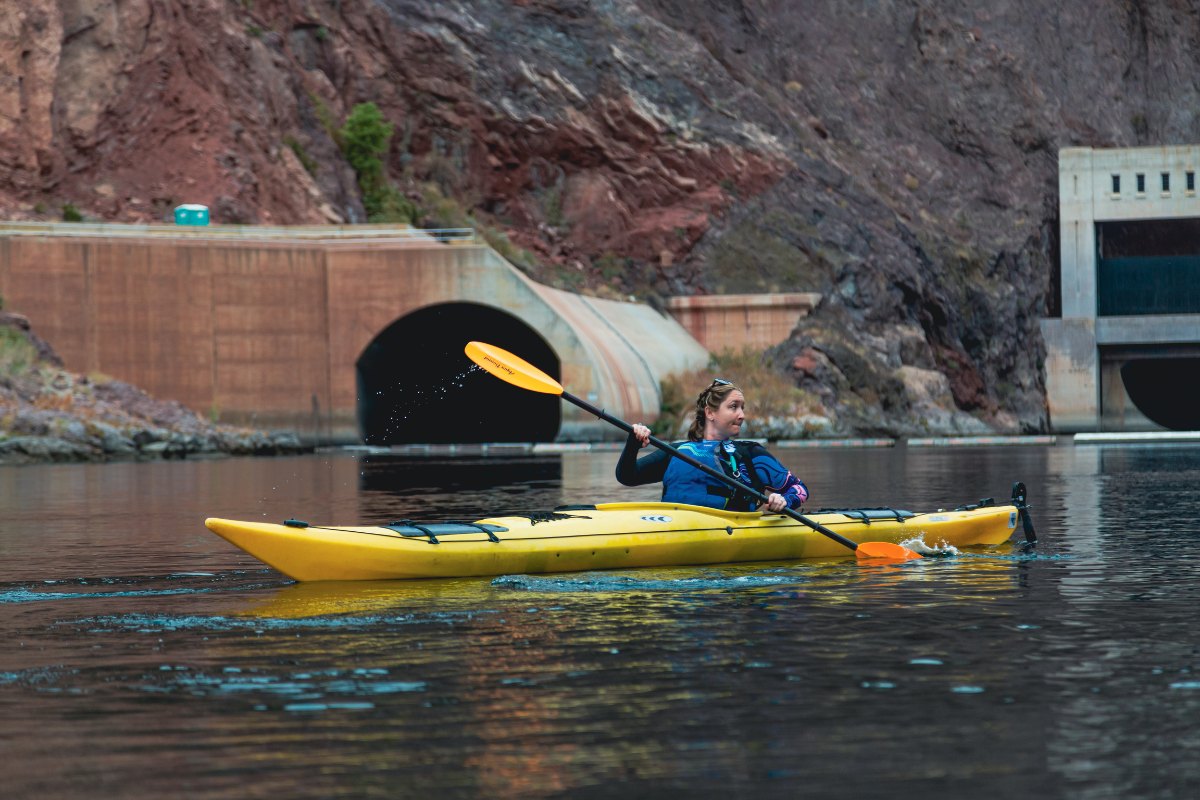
(442, 171)
(17, 355)
(552, 207)
(612, 265)
(443, 211)
(326, 118)
(365, 137)
(71, 214)
(255, 31)
(385, 203)
(511, 253)
(446, 212)
(322, 34)
(310, 163)
(39, 208)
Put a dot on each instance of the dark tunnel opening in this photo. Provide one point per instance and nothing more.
(416, 385)
(1165, 390)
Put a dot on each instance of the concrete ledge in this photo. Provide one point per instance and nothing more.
(983, 441)
(1149, 437)
(832, 444)
(799, 300)
(247, 233)
(1157, 329)
(488, 449)
(543, 448)
(563, 447)
(494, 449)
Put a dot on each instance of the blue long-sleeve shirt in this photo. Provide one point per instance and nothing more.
(634, 471)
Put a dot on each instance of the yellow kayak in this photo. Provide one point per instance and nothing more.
(606, 536)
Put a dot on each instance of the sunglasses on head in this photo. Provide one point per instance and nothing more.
(715, 384)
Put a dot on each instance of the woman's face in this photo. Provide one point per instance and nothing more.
(726, 421)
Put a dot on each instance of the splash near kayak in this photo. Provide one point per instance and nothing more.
(606, 536)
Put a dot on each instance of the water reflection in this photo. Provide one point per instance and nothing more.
(160, 661)
(401, 476)
(461, 487)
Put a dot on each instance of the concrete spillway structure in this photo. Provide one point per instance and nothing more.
(736, 321)
(343, 333)
(1125, 354)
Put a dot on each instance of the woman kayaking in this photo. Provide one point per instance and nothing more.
(720, 411)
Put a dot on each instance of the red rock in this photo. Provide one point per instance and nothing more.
(805, 362)
(191, 107)
(966, 384)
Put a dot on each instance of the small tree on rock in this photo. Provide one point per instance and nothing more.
(365, 137)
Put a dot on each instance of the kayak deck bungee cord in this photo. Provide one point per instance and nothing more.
(605, 536)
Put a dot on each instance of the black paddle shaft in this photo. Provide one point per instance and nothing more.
(707, 470)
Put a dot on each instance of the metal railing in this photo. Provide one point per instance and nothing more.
(319, 234)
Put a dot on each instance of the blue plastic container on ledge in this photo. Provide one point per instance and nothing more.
(189, 214)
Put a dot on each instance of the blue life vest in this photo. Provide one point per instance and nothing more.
(683, 483)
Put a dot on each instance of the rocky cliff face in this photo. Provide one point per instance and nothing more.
(898, 157)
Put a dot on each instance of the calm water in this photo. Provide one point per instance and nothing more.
(142, 657)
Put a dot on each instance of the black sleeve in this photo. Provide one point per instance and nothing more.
(757, 449)
(634, 471)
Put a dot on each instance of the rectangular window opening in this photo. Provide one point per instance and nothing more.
(1141, 183)
(1191, 181)
(1166, 181)
(1117, 184)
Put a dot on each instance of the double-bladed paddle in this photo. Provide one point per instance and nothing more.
(518, 372)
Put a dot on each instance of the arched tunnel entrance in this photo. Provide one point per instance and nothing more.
(415, 384)
(1165, 390)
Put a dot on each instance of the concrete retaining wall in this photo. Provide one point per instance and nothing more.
(266, 330)
(735, 321)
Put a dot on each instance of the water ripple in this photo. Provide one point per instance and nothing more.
(604, 582)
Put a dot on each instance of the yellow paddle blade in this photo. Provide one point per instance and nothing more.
(507, 367)
(885, 550)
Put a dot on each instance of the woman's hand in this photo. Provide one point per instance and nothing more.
(642, 434)
(776, 502)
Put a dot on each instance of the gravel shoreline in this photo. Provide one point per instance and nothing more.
(48, 414)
